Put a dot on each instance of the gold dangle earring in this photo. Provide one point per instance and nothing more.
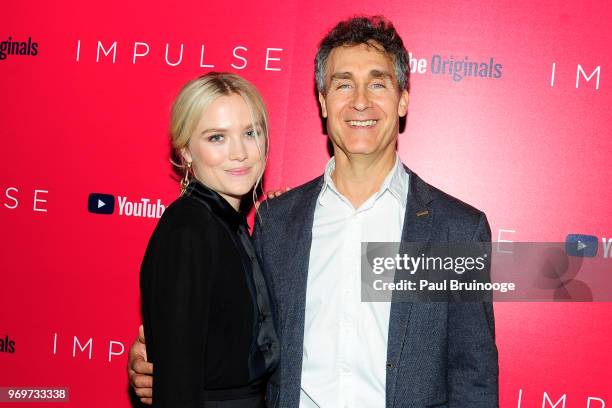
(185, 180)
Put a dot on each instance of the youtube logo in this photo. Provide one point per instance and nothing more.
(98, 203)
(581, 245)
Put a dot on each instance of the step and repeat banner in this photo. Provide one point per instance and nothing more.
(86, 93)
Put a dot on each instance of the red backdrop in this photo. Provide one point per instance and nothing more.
(89, 113)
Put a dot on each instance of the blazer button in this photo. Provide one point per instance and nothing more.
(389, 365)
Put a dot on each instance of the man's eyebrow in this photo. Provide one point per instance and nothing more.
(376, 73)
(341, 75)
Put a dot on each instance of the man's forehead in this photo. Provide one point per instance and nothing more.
(370, 58)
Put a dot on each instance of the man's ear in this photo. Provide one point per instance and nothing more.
(402, 108)
(323, 106)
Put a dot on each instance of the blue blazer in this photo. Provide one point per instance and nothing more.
(438, 354)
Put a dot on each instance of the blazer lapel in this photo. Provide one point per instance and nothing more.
(417, 228)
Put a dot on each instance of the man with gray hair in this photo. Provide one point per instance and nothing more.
(337, 351)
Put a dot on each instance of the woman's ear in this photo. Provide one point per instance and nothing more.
(186, 155)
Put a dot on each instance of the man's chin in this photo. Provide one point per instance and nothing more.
(364, 149)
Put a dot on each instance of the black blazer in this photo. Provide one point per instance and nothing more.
(202, 308)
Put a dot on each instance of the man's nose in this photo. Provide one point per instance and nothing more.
(361, 100)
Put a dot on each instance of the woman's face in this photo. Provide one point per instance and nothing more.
(224, 153)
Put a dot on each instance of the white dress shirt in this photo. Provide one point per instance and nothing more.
(345, 340)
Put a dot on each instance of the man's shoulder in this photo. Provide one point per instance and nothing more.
(453, 205)
(454, 213)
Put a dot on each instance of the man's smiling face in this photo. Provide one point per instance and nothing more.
(362, 102)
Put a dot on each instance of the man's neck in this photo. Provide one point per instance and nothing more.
(358, 177)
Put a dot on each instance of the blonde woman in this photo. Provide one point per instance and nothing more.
(201, 287)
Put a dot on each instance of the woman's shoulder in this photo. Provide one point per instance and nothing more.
(185, 213)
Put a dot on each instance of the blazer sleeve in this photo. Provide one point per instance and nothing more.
(472, 354)
(175, 284)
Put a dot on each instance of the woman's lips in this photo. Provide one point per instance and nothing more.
(240, 171)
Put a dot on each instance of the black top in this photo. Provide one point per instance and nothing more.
(206, 309)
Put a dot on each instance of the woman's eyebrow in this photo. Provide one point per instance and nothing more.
(212, 130)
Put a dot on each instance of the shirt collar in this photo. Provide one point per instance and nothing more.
(396, 182)
(217, 204)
